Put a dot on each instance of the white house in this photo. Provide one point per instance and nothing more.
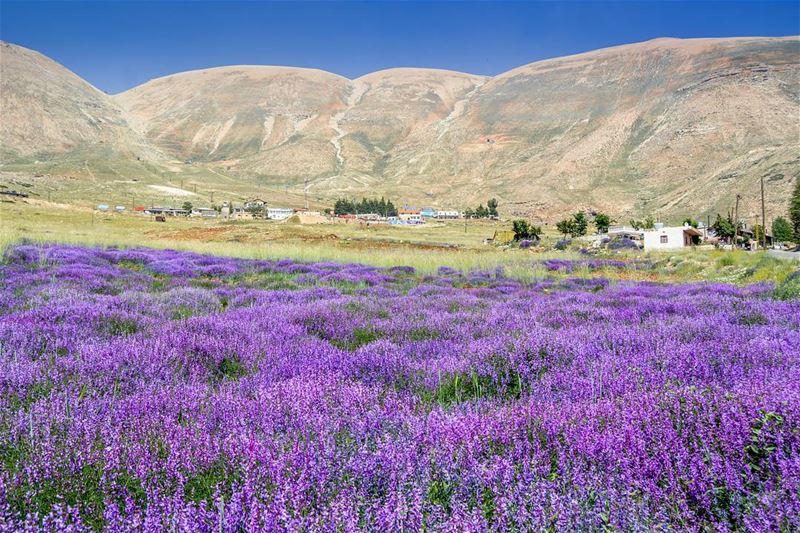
(279, 213)
(410, 216)
(447, 213)
(669, 238)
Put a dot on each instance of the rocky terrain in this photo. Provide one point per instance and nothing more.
(667, 126)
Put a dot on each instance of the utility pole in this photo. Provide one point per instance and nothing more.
(736, 222)
(305, 191)
(763, 217)
(755, 233)
(212, 197)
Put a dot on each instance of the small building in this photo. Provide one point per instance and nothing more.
(368, 216)
(443, 214)
(255, 203)
(410, 216)
(279, 213)
(428, 212)
(670, 238)
(256, 207)
(753, 240)
(500, 237)
(166, 211)
(204, 212)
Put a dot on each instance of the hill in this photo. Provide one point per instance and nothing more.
(667, 126)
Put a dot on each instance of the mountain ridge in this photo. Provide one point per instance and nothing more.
(663, 125)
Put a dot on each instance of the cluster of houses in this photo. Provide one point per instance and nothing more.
(408, 216)
(251, 209)
(258, 209)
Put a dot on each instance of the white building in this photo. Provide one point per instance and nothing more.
(255, 203)
(204, 212)
(447, 213)
(279, 213)
(410, 216)
(669, 238)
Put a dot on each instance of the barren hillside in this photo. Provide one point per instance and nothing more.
(666, 126)
(45, 109)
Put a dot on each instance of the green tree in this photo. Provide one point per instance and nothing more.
(580, 224)
(469, 212)
(782, 230)
(724, 228)
(689, 221)
(566, 226)
(602, 222)
(481, 212)
(492, 207)
(523, 230)
(794, 210)
(187, 206)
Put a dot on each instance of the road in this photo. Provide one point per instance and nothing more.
(784, 254)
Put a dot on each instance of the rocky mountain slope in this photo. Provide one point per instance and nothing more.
(667, 126)
(47, 111)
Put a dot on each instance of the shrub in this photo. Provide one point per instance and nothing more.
(790, 288)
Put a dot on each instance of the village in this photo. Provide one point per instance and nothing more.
(647, 235)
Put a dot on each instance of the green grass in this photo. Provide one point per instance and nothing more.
(425, 248)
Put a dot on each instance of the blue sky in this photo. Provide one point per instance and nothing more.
(117, 45)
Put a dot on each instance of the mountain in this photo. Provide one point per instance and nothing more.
(47, 110)
(293, 123)
(663, 126)
(669, 127)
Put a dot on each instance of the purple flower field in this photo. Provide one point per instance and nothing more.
(145, 390)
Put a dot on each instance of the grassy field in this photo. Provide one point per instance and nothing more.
(452, 244)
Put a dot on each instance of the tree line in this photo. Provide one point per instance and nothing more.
(490, 211)
(578, 224)
(382, 207)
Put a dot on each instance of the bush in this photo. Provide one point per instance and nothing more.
(623, 243)
(525, 231)
(563, 244)
(790, 288)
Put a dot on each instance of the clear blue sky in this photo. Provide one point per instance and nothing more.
(117, 45)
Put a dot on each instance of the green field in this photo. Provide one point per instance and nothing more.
(454, 244)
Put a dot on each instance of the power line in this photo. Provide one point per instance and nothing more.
(763, 216)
